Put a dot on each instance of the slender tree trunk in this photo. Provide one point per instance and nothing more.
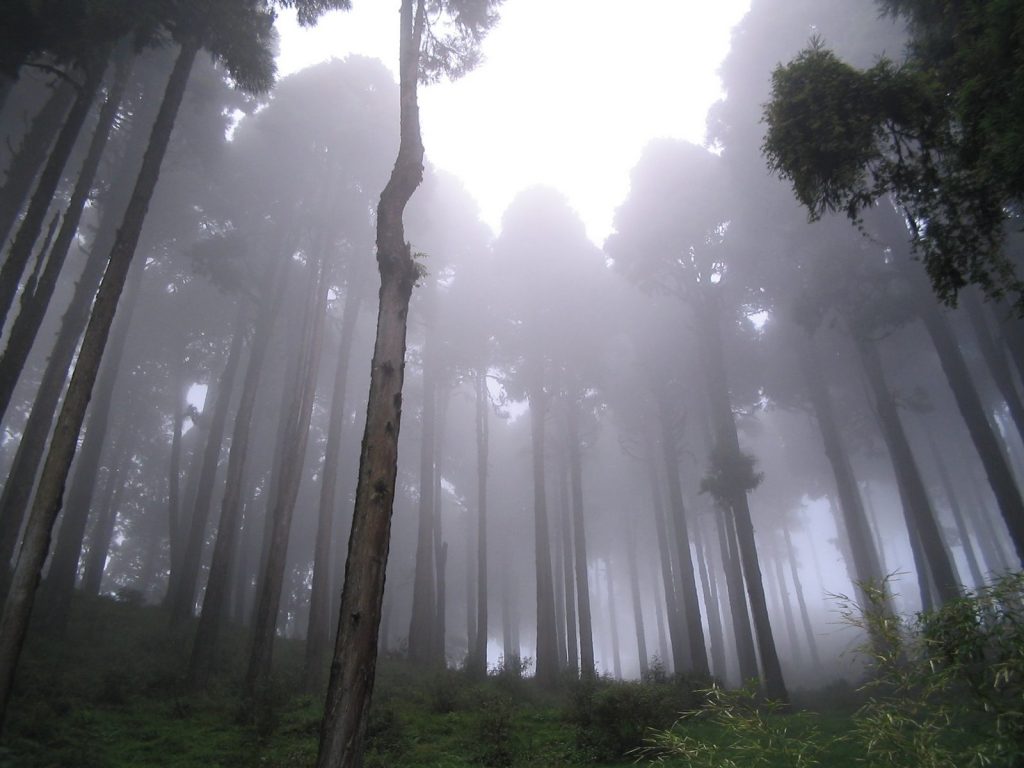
(20, 252)
(725, 427)
(1000, 476)
(638, 609)
(679, 650)
(558, 571)
(663, 641)
(60, 580)
(580, 560)
(35, 297)
(918, 506)
(613, 620)
(424, 598)
(18, 605)
(440, 545)
(103, 527)
(31, 154)
(211, 617)
(794, 572)
(547, 651)
(568, 568)
(786, 602)
(716, 638)
(745, 652)
(318, 631)
(697, 664)
(994, 359)
(482, 446)
(958, 517)
(183, 594)
(271, 581)
(179, 390)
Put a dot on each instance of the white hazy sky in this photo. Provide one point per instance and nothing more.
(569, 93)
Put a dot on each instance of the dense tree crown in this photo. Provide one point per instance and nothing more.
(304, 461)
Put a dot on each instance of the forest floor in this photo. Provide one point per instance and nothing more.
(112, 695)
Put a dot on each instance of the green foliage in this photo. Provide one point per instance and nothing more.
(729, 473)
(451, 45)
(944, 690)
(613, 718)
(942, 135)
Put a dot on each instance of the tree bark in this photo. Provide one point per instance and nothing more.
(183, 594)
(18, 605)
(997, 469)
(638, 610)
(958, 517)
(918, 507)
(745, 653)
(20, 252)
(568, 569)
(211, 617)
(697, 663)
(580, 560)
(995, 360)
(268, 599)
(547, 650)
(482, 440)
(318, 630)
(60, 580)
(35, 297)
(31, 154)
(677, 638)
(794, 572)
(725, 429)
(613, 620)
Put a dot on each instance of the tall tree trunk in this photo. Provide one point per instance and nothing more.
(665, 651)
(638, 610)
(716, 638)
(179, 393)
(958, 516)
(787, 607)
(14, 501)
(746, 655)
(572, 659)
(580, 560)
(440, 545)
(865, 563)
(725, 428)
(211, 617)
(183, 594)
(547, 651)
(31, 154)
(35, 298)
(318, 631)
(697, 663)
(271, 581)
(679, 649)
(46, 506)
(613, 620)
(355, 656)
(424, 597)
(1000, 476)
(60, 580)
(103, 526)
(558, 571)
(482, 446)
(32, 224)
(918, 506)
(995, 360)
(794, 572)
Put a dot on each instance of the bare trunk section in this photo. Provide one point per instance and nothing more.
(638, 610)
(958, 517)
(613, 620)
(572, 645)
(483, 403)
(676, 659)
(35, 297)
(697, 663)
(18, 606)
(587, 669)
(745, 653)
(805, 618)
(183, 591)
(1000, 476)
(865, 558)
(318, 630)
(547, 649)
(725, 435)
(31, 154)
(206, 645)
(60, 580)
(918, 507)
(271, 581)
(20, 252)
(994, 359)
(716, 638)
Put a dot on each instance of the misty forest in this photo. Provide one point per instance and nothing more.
(309, 460)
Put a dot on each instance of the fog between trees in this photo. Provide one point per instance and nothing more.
(663, 452)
